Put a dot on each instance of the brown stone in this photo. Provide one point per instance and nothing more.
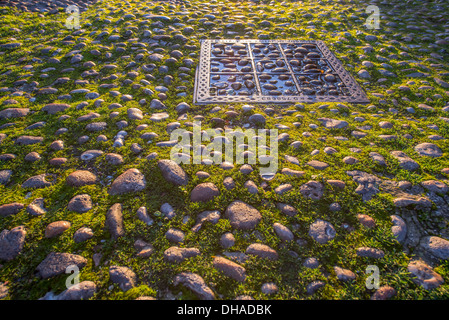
(204, 192)
(56, 228)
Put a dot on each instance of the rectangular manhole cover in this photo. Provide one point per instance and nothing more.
(272, 71)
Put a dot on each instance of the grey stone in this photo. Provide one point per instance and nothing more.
(128, 182)
(314, 286)
(230, 269)
(283, 232)
(36, 207)
(322, 231)
(175, 235)
(312, 189)
(28, 140)
(195, 283)
(429, 150)
(344, 275)
(384, 293)
(123, 276)
(81, 291)
(227, 240)
(370, 252)
(54, 108)
(172, 172)
(178, 255)
(333, 123)
(90, 154)
(424, 276)
(242, 216)
(9, 209)
(435, 186)
(83, 234)
(56, 263)
(80, 203)
(40, 181)
(283, 188)
(114, 221)
(399, 228)
(269, 288)
(378, 158)
(81, 178)
(12, 242)
(412, 201)
(114, 158)
(436, 246)
(13, 113)
(405, 161)
(368, 184)
(5, 176)
(287, 209)
(210, 216)
(311, 263)
(204, 192)
(229, 183)
(257, 119)
(319, 165)
(262, 250)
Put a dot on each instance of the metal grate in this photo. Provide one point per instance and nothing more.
(272, 71)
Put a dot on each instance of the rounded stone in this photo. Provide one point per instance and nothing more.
(424, 275)
(399, 228)
(114, 158)
(56, 228)
(204, 192)
(81, 178)
(322, 231)
(262, 251)
(83, 234)
(242, 216)
(230, 269)
(283, 232)
(370, 252)
(257, 119)
(344, 275)
(312, 189)
(229, 183)
(175, 235)
(366, 221)
(436, 246)
(123, 276)
(269, 288)
(80, 203)
(172, 172)
(32, 156)
(227, 240)
(135, 114)
(311, 263)
(251, 187)
(429, 150)
(132, 180)
(12, 242)
(5, 176)
(384, 293)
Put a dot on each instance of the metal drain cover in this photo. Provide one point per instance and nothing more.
(272, 71)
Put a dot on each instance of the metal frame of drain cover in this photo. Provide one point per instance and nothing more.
(355, 93)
